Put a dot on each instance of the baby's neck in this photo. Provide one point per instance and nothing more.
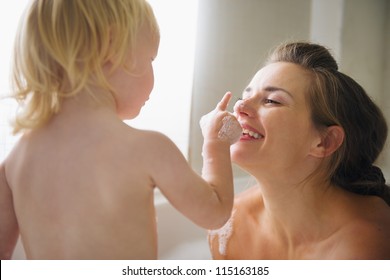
(95, 98)
(84, 109)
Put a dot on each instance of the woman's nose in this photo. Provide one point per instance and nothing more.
(243, 108)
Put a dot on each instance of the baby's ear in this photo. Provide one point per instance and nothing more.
(329, 141)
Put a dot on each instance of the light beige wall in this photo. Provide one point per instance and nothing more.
(234, 38)
(327, 24)
(364, 43)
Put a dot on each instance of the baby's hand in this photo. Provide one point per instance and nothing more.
(220, 124)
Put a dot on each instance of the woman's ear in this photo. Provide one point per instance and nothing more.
(329, 141)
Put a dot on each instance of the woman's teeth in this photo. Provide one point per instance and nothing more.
(251, 133)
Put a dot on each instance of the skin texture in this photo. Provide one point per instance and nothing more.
(81, 187)
(291, 213)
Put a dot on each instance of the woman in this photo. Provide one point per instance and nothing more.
(310, 138)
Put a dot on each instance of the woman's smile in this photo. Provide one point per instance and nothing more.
(249, 133)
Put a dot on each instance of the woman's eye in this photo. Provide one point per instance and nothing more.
(271, 101)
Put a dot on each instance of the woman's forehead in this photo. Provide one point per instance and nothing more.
(286, 75)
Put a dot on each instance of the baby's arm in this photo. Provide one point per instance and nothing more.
(206, 201)
(220, 129)
(9, 230)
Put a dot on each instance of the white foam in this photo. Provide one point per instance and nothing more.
(223, 234)
(230, 130)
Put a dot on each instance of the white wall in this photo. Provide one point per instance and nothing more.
(234, 37)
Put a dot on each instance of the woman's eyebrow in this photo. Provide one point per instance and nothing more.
(272, 89)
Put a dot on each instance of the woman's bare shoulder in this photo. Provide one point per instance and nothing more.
(248, 199)
(244, 228)
(363, 240)
(367, 234)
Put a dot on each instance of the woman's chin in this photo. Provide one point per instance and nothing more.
(238, 156)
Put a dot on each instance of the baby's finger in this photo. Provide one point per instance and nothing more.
(222, 105)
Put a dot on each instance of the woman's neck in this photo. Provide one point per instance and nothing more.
(297, 210)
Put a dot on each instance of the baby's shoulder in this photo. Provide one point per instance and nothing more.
(150, 147)
(152, 141)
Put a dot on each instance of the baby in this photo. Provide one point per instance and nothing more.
(79, 184)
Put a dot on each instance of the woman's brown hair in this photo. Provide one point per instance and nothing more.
(336, 99)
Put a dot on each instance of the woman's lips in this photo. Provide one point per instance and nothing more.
(249, 132)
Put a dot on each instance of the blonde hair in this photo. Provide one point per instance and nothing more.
(62, 46)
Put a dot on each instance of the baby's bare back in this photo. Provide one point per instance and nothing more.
(82, 191)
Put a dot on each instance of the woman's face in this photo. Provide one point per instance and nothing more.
(277, 128)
